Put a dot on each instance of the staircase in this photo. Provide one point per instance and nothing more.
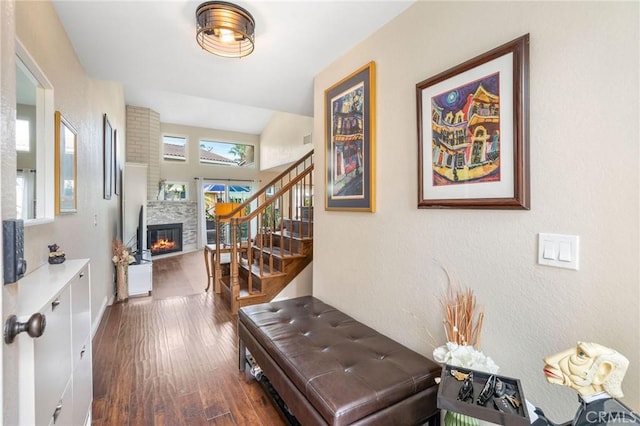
(270, 238)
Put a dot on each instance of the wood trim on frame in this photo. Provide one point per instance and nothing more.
(515, 164)
(350, 178)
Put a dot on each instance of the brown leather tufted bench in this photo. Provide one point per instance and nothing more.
(330, 369)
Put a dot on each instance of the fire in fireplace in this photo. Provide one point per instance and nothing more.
(166, 238)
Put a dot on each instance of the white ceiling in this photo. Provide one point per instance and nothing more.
(150, 47)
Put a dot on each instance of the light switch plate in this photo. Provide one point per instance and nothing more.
(560, 251)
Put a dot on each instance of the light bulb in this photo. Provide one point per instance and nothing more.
(226, 36)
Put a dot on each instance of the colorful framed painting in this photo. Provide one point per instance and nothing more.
(473, 132)
(107, 157)
(350, 142)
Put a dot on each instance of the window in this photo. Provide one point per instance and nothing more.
(23, 135)
(226, 154)
(20, 186)
(237, 193)
(174, 148)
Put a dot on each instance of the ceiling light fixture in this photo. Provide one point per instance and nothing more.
(225, 29)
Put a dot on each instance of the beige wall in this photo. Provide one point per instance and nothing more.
(384, 268)
(281, 141)
(82, 102)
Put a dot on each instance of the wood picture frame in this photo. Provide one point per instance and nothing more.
(66, 167)
(117, 171)
(350, 142)
(473, 132)
(107, 138)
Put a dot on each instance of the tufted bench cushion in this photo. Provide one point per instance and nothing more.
(331, 369)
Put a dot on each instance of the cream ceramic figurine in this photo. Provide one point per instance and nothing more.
(596, 373)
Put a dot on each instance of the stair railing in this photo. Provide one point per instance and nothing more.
(271, 210)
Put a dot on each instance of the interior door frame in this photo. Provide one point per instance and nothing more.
(9, 364)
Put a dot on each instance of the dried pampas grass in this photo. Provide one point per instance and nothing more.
(461, 324)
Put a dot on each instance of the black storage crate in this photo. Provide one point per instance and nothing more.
(448, 394)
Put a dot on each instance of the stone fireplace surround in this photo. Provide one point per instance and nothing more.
(185, 212)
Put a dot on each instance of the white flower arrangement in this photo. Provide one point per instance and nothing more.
(465, 356)
(462, 326)
(121, 254)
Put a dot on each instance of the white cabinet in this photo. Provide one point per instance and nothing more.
(82, 385)
(55, 370)
(141, 276)
(62, 414)
(52, 356)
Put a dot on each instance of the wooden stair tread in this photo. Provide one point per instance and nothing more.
(244, 294)
(244, 288)
(296, 219)
(255, 269)
(293, 235)
(277, 252)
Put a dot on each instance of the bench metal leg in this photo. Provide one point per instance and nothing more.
(434, 420)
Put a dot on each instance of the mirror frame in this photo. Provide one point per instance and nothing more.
(64, 162)
(107, 157)
(44, 140)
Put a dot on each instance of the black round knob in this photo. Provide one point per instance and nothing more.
(34, 327)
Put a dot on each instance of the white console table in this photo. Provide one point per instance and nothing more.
(141, 276)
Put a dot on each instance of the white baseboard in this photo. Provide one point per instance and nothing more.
(96, 323)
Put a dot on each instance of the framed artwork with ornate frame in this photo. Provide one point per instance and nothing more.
(66, 170)
(473, 132)
(350, 142)
(107, 157)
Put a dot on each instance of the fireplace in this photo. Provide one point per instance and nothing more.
(166, 238)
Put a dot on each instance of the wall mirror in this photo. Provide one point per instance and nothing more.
(65, 170)
(34, 141)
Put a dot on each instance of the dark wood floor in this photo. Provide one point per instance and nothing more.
(173, 361)
(181, 275)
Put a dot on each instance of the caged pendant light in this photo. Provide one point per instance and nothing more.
(225, 29)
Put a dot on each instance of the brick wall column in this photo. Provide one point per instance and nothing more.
(143, 144)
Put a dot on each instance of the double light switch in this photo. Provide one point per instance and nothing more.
(558, 250)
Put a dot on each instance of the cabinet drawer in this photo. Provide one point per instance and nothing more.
(60, 414)
(52, 357)
(81, 310)
(82, 384)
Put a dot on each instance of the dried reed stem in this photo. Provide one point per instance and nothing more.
(460, 326)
